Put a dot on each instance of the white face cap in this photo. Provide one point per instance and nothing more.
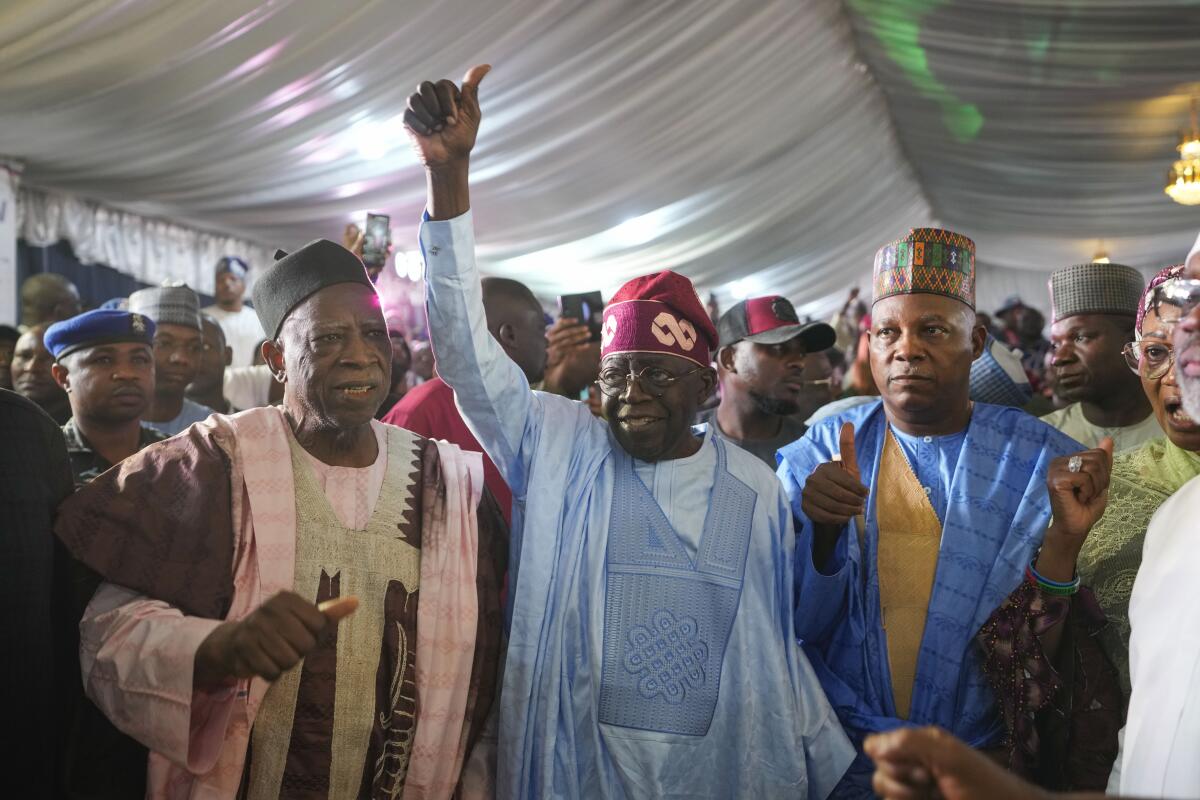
(1009, 360)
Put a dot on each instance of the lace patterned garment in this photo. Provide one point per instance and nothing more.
(1142, 480)
(1061, 719)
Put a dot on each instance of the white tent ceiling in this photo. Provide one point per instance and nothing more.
(757, 146)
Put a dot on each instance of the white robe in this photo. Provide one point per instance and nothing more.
(1161, 749)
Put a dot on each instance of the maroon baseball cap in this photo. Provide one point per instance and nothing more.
(772, 320)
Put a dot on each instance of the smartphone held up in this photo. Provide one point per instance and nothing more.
(376, 239)
(587, 307)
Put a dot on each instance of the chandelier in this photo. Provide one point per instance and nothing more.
(1183, 181)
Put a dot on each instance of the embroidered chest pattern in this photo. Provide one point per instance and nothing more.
(668, 656)
(668, 617)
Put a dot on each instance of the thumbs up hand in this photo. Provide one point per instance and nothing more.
(442, 119)
(833, 493)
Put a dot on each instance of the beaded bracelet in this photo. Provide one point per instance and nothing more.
(1048, 586)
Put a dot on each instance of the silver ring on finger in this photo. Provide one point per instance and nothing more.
(1075, 464)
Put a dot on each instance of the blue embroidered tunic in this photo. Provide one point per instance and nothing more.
(651, 645)
(988, 486)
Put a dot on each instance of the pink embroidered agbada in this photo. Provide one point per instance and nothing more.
(202, 528)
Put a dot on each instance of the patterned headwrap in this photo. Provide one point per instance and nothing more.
(659, 313)
(1095, 289)
(927, 261)
(1165, 274)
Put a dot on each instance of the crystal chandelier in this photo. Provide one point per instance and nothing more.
(1183, 181)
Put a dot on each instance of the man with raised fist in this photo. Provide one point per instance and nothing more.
(1162, 735)
(299, 601)
(650, 599)
(918, 514)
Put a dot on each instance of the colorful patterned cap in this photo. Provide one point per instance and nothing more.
(998, 377)
(1095, 289)
(927, 261)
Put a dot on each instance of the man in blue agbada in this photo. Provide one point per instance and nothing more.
(651, 645)
(915, 515)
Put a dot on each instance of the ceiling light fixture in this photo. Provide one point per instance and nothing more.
(1183, 181)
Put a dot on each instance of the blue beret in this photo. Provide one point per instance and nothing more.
(102, 326)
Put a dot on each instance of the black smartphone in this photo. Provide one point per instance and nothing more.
(587, 307)
(376, 239)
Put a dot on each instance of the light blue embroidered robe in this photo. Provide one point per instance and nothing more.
(568, 729)
(996, 513)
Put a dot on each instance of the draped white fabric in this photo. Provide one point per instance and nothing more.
(1043, 129)
(151, 250)
(742, 143)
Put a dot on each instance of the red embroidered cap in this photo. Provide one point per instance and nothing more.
(658, 313)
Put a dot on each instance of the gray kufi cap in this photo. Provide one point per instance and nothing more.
(294, 277)
(168, 305)
(1095, 289)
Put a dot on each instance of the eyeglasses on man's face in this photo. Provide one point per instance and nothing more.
(653, 379)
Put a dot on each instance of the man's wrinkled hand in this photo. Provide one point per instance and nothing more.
(268, 642)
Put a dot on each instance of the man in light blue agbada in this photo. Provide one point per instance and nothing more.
(651, 645)
(915, 515)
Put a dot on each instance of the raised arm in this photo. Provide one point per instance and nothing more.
(491, 391)
(1040, 648)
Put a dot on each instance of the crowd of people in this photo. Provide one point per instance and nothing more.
(290, 550)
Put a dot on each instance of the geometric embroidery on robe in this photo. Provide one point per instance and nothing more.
(667, 616)
(342, 722)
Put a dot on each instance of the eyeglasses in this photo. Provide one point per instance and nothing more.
(655, 381)
(1149, 358)
(1179, 293)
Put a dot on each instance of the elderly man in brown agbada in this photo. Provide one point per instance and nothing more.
(300, 601)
